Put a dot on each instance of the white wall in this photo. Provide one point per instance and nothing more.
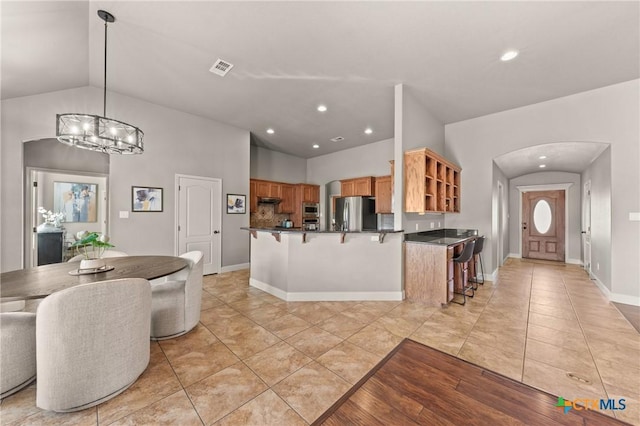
(500, 223)
(276, 166)
(610, 114)
(366, 160)
(599, 173)
(175, 142)
(419, 128)
(573, 244)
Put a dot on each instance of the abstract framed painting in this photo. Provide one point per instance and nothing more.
(236, 204)
(76, 200)
(146, 199)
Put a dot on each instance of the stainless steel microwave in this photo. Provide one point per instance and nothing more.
(310, 209)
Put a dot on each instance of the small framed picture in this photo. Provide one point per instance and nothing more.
(236, 204)
(145, 199)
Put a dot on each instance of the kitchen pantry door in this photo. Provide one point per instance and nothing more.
(199, 217)
(543, 225)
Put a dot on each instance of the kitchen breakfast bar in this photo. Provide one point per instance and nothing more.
(297, 265)
(429, 272)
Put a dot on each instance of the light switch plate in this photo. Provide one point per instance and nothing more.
(124, 214)
(634, 216)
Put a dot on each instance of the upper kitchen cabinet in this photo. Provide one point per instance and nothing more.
(363, 186)
(431, 183)
(309, 193)
(287, 194)
(269, 189)
(383, 191)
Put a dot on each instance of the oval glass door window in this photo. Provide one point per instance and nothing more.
(542, 216)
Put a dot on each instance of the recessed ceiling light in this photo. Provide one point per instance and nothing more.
(322, 108)
(316, 146)
(270, 131)
(542, 166)
(509, 55)
(368, 131)
(542, 157)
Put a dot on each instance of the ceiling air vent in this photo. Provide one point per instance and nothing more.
(337, 139)
(221, 67)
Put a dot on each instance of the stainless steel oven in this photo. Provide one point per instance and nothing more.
(310, 223)
(311, 209)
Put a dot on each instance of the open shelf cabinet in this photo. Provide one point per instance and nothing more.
(432, 183)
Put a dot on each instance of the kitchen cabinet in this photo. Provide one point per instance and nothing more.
(265, 188)
(309, 193)
(363, 186)
(304, 193)
(383, 191)
(287, 194)
(431, 183)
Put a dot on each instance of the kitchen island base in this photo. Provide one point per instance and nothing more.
(327, 266)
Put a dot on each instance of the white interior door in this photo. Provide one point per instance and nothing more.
(586, 227)
(199, 217)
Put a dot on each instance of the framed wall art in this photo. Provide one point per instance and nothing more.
(77, 201)
(236, 204)
(146, 199)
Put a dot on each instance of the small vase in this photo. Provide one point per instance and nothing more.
(92, 264)
(47, 227)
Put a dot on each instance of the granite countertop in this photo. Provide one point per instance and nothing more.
(300, 231)
(441, 237)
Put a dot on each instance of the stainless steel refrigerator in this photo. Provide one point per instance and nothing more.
(356, 214)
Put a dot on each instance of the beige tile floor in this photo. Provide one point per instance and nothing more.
(257, 360)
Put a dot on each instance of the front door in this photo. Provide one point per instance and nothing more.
(543, 225)
(199, 219)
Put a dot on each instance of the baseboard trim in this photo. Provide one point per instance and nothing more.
(238, 267)
(275, 291)
(616, 297)
(574, 261)
(327, 296)
(515, 255)
(625, 299)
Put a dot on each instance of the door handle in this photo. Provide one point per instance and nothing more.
(216, 232)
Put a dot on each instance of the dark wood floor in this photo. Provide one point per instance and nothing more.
(631, 313)
(416, 384)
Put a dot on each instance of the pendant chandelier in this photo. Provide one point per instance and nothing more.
(95, 132)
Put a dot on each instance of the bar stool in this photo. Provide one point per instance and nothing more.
(462, 259)
(477, 254)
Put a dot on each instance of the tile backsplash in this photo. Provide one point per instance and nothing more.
(266, 217)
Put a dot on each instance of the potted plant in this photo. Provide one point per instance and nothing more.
(92, 246)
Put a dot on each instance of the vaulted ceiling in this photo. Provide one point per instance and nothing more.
(290, 57)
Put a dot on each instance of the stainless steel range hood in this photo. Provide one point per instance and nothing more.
(269, 200)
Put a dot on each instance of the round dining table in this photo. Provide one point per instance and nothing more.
(41, 281)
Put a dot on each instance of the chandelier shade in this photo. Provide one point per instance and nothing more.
(95, 132)
(99, 133)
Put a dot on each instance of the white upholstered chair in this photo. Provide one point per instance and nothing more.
(107, 253)
(176, 300)
(17, 351)
(92, 343)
